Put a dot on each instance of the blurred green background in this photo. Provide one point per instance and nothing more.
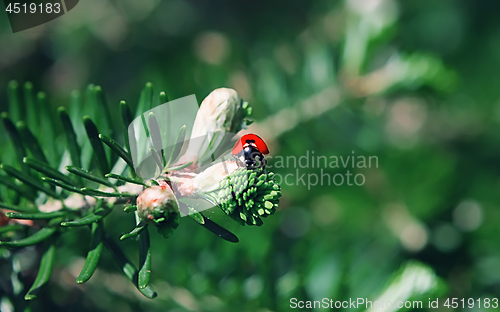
(410, 82)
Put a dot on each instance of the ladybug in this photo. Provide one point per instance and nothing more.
(251, 149)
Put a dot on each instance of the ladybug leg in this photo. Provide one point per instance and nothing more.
(260, 161)
(238, 161)
(263, 162)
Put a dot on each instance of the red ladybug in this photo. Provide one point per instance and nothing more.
(250, 148)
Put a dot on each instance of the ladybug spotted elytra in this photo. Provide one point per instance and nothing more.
(249, 149)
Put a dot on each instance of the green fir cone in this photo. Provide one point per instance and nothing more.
(247, 195)
(157, 205)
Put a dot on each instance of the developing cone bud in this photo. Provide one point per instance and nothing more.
(221, 115)
(222, 109)
(204, 181)
(210, 178)
(157, 204)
